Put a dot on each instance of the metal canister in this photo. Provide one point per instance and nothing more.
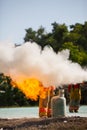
(58, 104)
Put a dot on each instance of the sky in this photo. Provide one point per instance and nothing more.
(18, 15)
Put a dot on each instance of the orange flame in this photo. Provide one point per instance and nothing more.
(31, 87)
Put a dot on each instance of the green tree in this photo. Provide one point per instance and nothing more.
(59, 32)
(38, 36)
(19, 98)
(30, 35)
(9, 95)
(54, 39)
(76, 54)
(78, 35)
(6, 91)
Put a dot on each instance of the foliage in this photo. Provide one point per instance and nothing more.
(76, 53)
(73, 38)
(78, 34)
(61, 37)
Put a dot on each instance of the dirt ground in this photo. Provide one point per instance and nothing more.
(59, 123)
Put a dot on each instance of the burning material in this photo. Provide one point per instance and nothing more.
(33, 70)
(32, 88)
(50, 68)
(36, 66)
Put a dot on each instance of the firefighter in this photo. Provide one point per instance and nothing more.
(50, 95)
(45, 102)
(75, 97)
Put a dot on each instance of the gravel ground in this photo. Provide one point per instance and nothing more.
(59, 123)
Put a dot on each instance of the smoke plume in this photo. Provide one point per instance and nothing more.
(28, 60)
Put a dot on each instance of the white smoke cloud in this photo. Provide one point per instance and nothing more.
(29, 61)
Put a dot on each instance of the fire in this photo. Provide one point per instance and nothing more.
(32, 88)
